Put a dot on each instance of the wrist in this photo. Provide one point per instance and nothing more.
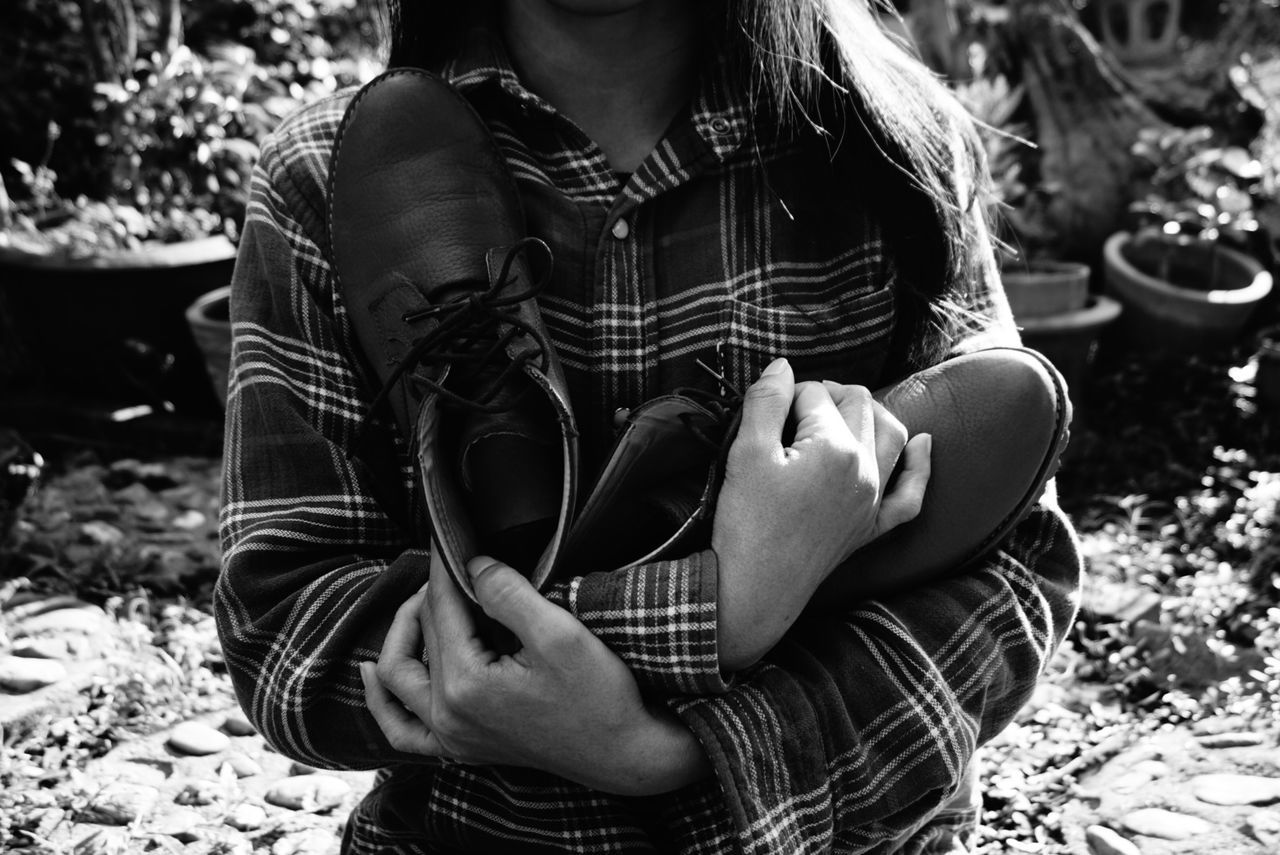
(753, 610)
(661, 755)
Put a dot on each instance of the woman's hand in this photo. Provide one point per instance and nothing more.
(563, 703)
(786, 516)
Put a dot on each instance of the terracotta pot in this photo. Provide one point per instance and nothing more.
(1070, 339)
(109, 328)
(1181, 295)
(1042, 288)
(209, 318)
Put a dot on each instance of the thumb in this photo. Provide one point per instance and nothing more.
(767, 404)
(904, 500)
(508, 597)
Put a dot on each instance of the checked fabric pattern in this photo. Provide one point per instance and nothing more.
(854, 735)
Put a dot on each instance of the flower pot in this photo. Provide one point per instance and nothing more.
(108, 331)
(1070, 339)
(1042, 288)
(209, 318)
(1181, 295)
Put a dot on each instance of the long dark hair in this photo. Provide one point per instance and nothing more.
(798, 53)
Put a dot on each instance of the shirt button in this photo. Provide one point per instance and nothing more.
(620, 229)
(620, 417)
(720, 126)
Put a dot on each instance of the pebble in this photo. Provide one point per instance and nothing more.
(194, 738)
(243, 765)
(246, 817)
(1236, 789)
(1230, 740)
(313, 841)
(189, 520)
(101, 533)
(86, 620)
(21, 674)
(151, 510)
(237, 725)
(309, 792)
(1165, 824)
(1264, 825)
(120, 804)
(1104, 841)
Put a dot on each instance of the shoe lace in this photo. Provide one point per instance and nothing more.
(722, 404)
(466, 337)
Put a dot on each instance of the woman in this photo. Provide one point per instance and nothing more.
(723, 181)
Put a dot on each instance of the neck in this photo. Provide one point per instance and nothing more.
(620, 74)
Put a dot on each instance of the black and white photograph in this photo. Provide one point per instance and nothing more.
(685, 427)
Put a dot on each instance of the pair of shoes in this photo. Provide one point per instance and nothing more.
(439, 283)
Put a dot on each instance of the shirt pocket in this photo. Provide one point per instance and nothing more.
(844, 339)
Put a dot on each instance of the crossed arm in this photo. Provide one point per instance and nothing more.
(564, 703)
(315, 567)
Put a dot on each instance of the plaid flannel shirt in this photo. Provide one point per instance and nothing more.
(732, 244)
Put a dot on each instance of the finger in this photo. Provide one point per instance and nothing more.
(403, 730)
(903, 501)
(815, 412)
(400, 669)
(855, 406)
(404, 638)
(891, 439)
(766, 405)
(448, 627)
(509, 598)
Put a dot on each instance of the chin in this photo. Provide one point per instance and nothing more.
(596, 7)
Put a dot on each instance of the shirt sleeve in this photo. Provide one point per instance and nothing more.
(856, 730)
(318, 544)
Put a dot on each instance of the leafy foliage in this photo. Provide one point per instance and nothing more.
(1195, 186)
(174, 135)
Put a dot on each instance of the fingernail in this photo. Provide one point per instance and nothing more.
(365, 667)
(776, 367)
(478, 565)
(928, 443)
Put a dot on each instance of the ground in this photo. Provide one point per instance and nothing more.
(1155, 730)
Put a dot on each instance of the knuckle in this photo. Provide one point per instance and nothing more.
(457, 694)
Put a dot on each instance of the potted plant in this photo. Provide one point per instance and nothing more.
(1049, 296)
(97, 272)
(125, 210)
(1185, 278)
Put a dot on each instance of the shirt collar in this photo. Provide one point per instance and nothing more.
(718, 112)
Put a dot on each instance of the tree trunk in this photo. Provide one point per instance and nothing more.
(1087, 116)
(111, 38)
(170, 30)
